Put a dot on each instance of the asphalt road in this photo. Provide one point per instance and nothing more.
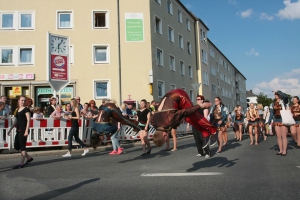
(241, 171)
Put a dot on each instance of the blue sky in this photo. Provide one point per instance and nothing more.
(260, 37)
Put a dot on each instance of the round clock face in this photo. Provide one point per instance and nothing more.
(58, 45)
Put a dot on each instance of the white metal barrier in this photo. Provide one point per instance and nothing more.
(51, 132)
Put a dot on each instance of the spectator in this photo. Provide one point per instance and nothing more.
(38, 115)
(51, 107)
(3, 112)
(5, 101)
(129, 109)
(123, 109)
(103, 103)
(79, 104)
(29, 103)
(93, 107)
(152, 106)
(85, 111)
(58, 113)
(68, 109)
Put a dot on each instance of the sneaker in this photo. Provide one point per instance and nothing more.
(114, 152)
(206, 141)
(218, 152)
(18, 167)
(28, 161)
(144, 154)
(213, 140)
(120, 150)
(85, 152)
(149, 151)
(67, 155)
(207, 156)
(198, 155)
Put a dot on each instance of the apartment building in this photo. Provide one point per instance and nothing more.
(120, 49)
(217, 75)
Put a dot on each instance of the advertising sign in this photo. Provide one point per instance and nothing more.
(17, 91)
(21, 76)
(134, 23)
(58, 61)
(59, 67)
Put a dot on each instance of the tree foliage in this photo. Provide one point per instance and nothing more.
(263, 99)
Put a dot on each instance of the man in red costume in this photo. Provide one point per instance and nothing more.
(173, 108)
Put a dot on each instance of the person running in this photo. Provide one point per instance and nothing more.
(252, 116)
(218, 116)
(22, 124)
(175, 106)
(74, 131)
(295, 129)
(238, 121)
(143, 117)
(280, 103)
(197, 135)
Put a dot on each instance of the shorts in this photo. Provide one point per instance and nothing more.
(251, 123)
(297, 123)
(236, 124)
(20, 141)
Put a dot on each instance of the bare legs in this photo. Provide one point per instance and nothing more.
(144, 140)
(239, 132)
(281, 132)
(220, 141)
(225, 136)
(251, 134)
(294, 131)
(24, 155)
(173, 132)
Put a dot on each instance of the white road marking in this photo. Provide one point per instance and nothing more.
(298, 166)
(185, 174)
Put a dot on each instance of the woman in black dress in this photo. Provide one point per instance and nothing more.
(143, 117)
(22, 123)
(74, 131)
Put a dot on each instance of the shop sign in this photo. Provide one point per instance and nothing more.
(16, 91)
(22, 76)
(134, 27)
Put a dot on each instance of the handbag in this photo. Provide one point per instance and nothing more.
(287, 117)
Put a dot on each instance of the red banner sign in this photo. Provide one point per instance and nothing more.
(59, 67)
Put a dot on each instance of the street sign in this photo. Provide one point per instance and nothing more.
(196, 87)
(58, 61)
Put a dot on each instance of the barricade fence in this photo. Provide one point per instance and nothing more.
(49, 132)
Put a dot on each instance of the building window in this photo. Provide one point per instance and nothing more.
(170, 7)
(179, 17)
(101, 89)
(188, 25)
(159, 57)
(65, 20)
(170, 34)
(203, 37)
(182, 68)
(161, 89)
(7, 21)
(158, 25)
(100, 19)
(158, 1)
(172, 63)
(213, 89)
(180, 41)
(26, 56)
(172, 86)
(71, 54)
(204, 56)
(26, 21)
(190, 72)
(189, 47)
(192, 95)
(7, 56)
(101, 54)
(213, 71)
(205, 78)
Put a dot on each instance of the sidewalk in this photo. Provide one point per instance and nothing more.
(34, 153)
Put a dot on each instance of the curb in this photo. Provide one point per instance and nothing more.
(61, 152)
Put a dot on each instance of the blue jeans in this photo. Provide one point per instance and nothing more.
(74, 132)
(115, 142)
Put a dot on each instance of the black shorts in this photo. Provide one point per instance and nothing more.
(20, 141)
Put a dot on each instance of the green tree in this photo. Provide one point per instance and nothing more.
(263, 99)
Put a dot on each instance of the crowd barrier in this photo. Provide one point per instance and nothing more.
(49, 132)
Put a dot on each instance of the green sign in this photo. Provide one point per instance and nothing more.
(134, 28)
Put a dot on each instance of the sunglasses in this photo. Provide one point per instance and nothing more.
(198, 99)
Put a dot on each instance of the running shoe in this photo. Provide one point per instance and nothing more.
(28, 161)
(206, 141)
(207, 156)
(218, 152)
(114, 152)
(149, 151)
(198, 155)
(85, 152)
(120, 150)
(67, 155)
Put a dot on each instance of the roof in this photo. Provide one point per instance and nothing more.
(250, 94)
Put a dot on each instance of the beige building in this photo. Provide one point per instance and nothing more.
(119, 49)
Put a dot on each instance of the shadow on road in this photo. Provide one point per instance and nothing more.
(213, 162)
(58, 192)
